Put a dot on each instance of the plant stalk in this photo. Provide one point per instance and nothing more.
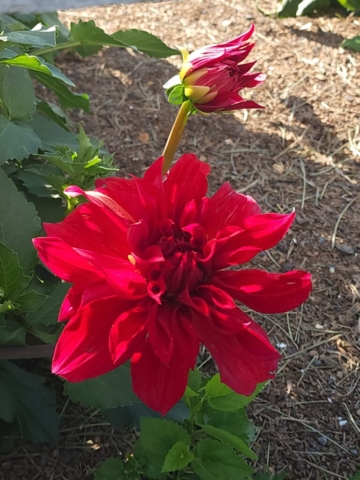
(60, 46)
(176, 134)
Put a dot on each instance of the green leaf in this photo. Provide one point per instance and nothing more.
(55, 113)
(34, 63)
(352, 44)
(12, 333)
(48, 312)
(144, 42)
(221, 397)
(17, 96)
(355, 477)
(353, 5)
(11, 273)
(296, 8)
(107, 391)
(176, 95)
(67, 98)
(129, 416)
(214, 460)
(111, 469)
(17, 140)
(51, 18)
(91, 38)
(229, 438)
(23, 396)
(39, 36)
(158, 436)
(17, 235)
(51, 134)
(194, 380)
(235, 423)
(177, 458)
(29, 301)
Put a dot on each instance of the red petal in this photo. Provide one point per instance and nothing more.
(266, 292)
(185, 182)
(80, 295)
(261, 232)
(127, 334)
(119, 273)
(226, 207)
(159, 334)
(244, 359)
(91, 227)
(82, 350)
(160, 387)
(64, 261)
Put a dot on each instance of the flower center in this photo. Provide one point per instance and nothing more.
(181, 269)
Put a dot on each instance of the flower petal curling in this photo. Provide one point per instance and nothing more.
(244, 359)
(266, 292)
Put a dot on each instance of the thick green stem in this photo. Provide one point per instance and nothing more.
(61, 46)
(176, 134)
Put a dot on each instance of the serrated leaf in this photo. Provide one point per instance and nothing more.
(17, 93)
(111, 469)
(221, 397)
(214, 460)
(51, 134)
(29, 301)
(107, 391)
(39, 36)
(352, 43)
(48, 312)
(23, 396)
(158, 436)
(34, 63)
(17, 140)
(230, 439)
(144, 42)
(178, 457)
(235, 423)
(17, 235)
(91, 38)
(12, 277)
(194, 380)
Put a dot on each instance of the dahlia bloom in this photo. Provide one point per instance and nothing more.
(213, 76)
(148, 259)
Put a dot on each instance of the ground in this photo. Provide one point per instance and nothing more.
(302, 152)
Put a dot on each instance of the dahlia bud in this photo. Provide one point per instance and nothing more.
(213, 76)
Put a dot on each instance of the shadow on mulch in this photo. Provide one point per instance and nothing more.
(328, 39)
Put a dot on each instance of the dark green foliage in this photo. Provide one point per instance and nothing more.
(40, 155)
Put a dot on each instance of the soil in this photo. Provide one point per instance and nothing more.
(302, 152)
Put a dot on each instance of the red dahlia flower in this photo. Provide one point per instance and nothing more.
(213, 76)
(148, 259)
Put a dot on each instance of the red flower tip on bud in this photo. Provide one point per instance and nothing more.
(213, 76)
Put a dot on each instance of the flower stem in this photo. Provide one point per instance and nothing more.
(176, 134)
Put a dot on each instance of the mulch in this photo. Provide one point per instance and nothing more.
(302, 152)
